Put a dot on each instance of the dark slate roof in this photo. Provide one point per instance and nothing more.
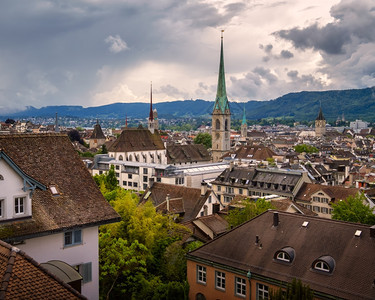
(51, 160)
(184, 200)
(251, 152)
(353, 275)
(187, 153)
(97, 133)
(23, 278)
(137, 139)
(335, 192)
(320, 115)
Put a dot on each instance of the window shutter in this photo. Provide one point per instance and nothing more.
(86, 272)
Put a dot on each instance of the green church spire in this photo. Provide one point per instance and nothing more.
(221, 101)
(244, 116)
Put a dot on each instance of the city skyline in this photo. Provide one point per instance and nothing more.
(93, 53)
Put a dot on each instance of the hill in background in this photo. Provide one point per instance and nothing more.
(302, 106)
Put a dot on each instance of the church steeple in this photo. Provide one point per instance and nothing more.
(151, 121)
(320, 123)
(221, 114)
(221, 101)
(244, 116)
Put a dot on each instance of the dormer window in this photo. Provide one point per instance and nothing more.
(54, 190)
(285, 255)
(324, 264)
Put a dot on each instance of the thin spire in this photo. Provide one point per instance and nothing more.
(244, 115)
(221, 101)
(151, 117)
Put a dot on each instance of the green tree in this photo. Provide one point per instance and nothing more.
(204, 138)
(305, 148)
(249, 210)
(295, 290)
(354, 209)
(107, 180)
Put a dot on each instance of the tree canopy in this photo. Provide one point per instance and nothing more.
(248, 210)
(354, 209)
(204, 138)
(295, 290)
(305, 148)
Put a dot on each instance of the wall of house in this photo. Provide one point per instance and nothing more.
(51, 247)
(11, 187)
(209, 290)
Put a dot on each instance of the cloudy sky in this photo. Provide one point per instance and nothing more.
(95, 52)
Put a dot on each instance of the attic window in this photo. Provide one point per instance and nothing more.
(358, 233)
(324, 264)
(305, 224)
(285, 255)
(54, 190)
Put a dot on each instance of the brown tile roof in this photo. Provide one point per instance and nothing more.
(51, 160)
(353, 275)
(137, 139)
(335, 192)
(97, 132)
(23, 278)
(188, 200)
(251, 152)
(187, 153)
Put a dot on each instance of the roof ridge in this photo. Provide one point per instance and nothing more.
(32, 135)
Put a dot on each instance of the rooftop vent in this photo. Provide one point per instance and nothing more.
(305, 224)
(358, 233)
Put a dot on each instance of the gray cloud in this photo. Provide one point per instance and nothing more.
(286, 54)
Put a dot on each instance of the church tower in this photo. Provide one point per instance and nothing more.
(151, 120)
(320, 124)
(221, 115)
(244, 125)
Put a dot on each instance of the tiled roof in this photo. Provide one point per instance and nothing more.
(23, 278)
(187, 153)
(137, 139)
(97, 133)
(51, 160)
(353, 275)
(252, 152)
(189, 200)
(336, 192)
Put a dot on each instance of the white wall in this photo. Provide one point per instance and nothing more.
(51, 247)
(10, 188)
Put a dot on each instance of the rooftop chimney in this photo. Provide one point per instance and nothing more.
(275, 218)
(231, 165)
(372, 231)
(203, 188)
(256, 239)
(167, 199)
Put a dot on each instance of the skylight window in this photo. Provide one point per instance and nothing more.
(54, 190)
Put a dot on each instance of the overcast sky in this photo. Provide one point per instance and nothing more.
(95, 52)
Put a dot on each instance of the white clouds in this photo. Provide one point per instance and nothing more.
(116, 44)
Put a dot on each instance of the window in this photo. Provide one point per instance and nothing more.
(219, 188)
(227, 199)
(130, 176)
(283, 256)
(324, 200)
(145, 178)
(316, 208)
(145, 170)
(117, 167)
(1, 208)
(117, 174)
(240, 287)
(220, 280)
(124, 183)
(324, 210)
(73, 237)
(86, 271)
(145, 186)
(19, 205)
(201, 274)
(130, 183)
(262, 291)
(135, 184)
(158, 179)
(321, 266)
(240, 191)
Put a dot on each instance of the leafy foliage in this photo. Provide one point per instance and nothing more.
(305, 148)
(353, 209)
(204, 138)
(249, 210)
(141, 256)
(107, 181)
(294, 291)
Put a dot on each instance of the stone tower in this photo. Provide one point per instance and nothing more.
(151, 120)
(220, 115)
(320, 124)
(244, 125)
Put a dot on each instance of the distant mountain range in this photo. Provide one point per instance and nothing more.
(354, 104)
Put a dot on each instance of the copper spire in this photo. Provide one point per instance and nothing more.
(151, 117)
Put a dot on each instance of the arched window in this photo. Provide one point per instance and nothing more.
(226, 125)
(130, 157)
(120, 157)
(324, 264)
(286, 254)
(217, 125)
